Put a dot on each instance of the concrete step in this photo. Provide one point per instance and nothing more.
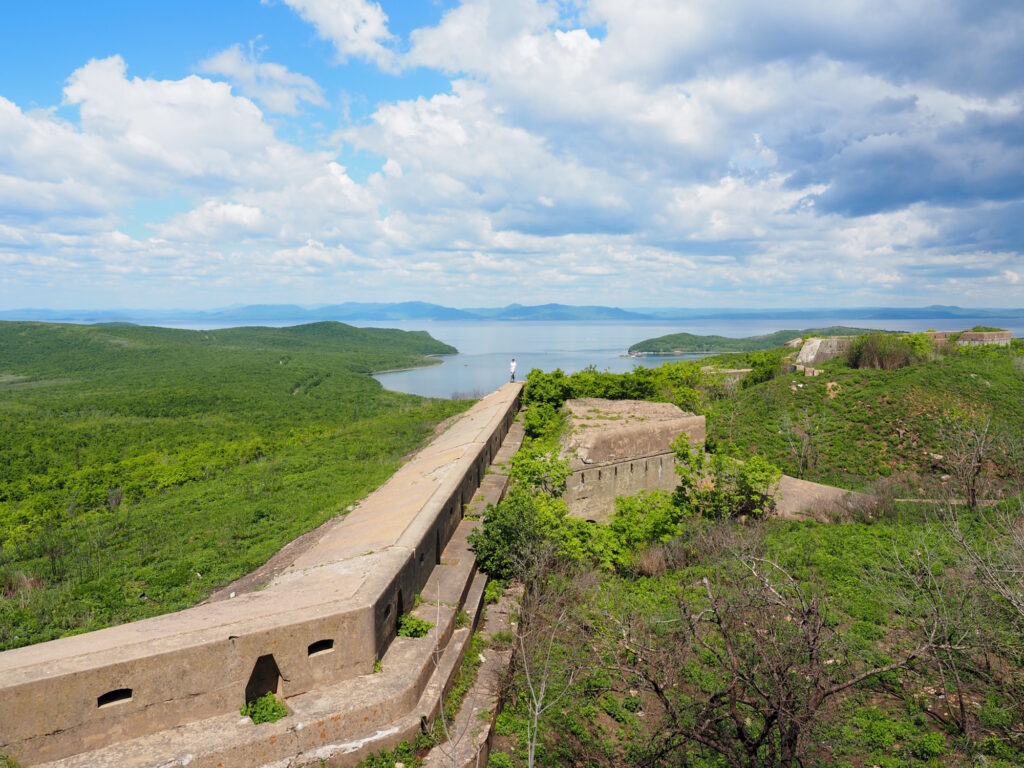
(474, 723)
(512, 443)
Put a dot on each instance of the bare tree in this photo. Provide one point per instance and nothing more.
(802, 436)
(548, 667)
(941, 600)
(995, 550)
(966, 444)
(743, 669)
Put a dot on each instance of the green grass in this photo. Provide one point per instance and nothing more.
(142, 468)
(849, 565)
(870, 423)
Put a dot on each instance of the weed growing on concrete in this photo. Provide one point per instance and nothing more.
(405, 753)
(412, 626)
(266, 709)
(494, 590)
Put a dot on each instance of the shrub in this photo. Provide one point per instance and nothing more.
(537, 417)
(493, 591)
(413, 626)
(539, 470)
(888, 351)
(648, 518)
(499, 760)
(512, 529)
(717, 486)
(764, 367)
(550, 388)
(266, 709)
(928, 746)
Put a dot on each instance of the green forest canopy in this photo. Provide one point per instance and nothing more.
(141, 468)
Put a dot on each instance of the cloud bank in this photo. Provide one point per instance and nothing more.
(676, 153)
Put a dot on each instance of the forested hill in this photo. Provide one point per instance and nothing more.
(685, 343)
(141, 468)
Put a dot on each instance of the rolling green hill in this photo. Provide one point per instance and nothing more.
(688, 343)
(141, 468)
(862, 424)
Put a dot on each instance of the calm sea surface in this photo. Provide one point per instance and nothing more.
(485, 348)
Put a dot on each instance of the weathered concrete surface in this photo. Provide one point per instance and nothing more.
(816, 350)
(608, 431)
(973, 338)
(803, 500)
(187, 673)
(620, 448)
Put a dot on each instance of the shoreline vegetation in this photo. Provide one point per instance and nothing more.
(143, 468)
(689, 343)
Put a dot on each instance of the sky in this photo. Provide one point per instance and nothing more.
(664, 153)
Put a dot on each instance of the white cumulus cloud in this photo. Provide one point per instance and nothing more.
(273, 85)
(356, 28)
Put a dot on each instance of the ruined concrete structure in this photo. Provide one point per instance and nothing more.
(815, 351)
(973, 338)
(619, 448)
(166, 691)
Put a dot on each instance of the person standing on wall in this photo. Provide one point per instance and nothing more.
(512, 369)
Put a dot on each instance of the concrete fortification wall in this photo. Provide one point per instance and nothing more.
(325, 619)
(620, 448)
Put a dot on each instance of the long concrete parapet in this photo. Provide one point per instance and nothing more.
(326, 618)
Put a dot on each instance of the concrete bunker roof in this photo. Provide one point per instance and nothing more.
(604, 431)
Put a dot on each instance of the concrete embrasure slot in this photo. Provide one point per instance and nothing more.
(265, 678)
(320, 646)
(117, 696)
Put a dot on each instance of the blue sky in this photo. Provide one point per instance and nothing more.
(699, 153)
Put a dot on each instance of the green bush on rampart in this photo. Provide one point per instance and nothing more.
(685, 383)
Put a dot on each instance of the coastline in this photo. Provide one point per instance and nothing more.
(429, 360)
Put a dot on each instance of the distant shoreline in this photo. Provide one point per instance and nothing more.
(428, 361)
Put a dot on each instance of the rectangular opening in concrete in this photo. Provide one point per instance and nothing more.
(117, 696)
(320, 646)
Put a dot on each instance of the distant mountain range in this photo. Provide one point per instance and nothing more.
(351, 311)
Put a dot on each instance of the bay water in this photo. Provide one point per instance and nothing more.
(487, 347)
